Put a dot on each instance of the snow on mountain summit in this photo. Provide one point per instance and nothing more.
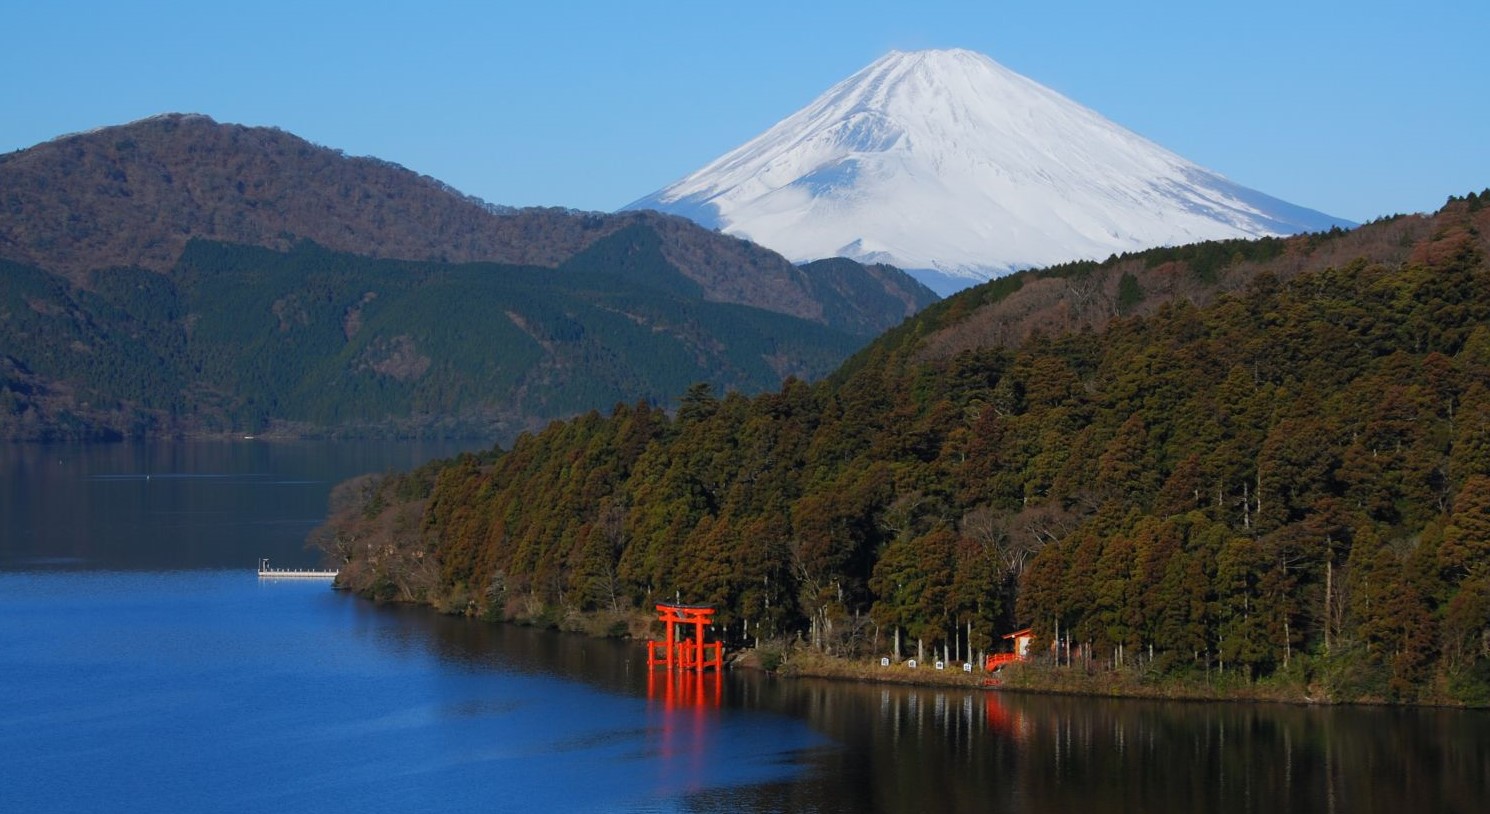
(949, 165)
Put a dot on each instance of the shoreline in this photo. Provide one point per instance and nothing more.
(790, 661)
(1036, 679)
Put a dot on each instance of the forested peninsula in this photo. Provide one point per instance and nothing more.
(1266, 471)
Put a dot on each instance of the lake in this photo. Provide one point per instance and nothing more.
(145, 667)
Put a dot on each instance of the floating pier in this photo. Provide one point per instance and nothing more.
(265, 572)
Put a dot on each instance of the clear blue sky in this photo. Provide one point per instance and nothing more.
(1359, 109)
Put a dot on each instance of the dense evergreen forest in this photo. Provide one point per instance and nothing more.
(1290, 483)
(244, 339)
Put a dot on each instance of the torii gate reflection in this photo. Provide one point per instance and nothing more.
(687, 694)
(683, 684)
(678, 690)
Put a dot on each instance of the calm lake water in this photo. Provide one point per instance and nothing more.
(144, 667)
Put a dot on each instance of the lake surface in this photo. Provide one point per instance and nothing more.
(144, 667)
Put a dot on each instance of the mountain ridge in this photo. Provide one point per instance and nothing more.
(135, 194)
(175, 276)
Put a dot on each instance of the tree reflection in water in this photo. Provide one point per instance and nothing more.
(893, 748)
(919, 749)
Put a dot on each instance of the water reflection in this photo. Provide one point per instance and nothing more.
(682, 690)
(908, 749)
(177, 506)
(697, 731)
(894, 748)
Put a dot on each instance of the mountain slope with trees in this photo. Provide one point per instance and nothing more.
(179, 276)
(1288, 485)
(135, 195)
(312, 342)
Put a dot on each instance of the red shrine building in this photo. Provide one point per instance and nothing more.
(1022, 639)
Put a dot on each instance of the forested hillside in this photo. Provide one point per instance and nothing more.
(1289, 484)
(179, 276)
(311, 342)
(135, 195)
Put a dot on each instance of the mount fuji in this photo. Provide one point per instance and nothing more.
(957, 169)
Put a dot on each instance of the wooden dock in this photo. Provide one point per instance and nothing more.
(265, 572)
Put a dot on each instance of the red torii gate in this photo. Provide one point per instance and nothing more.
(688, 654)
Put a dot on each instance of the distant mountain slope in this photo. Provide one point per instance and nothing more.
(135, 194)
(179, 276)
(949, 164)
(314, 342)
(1090, 295)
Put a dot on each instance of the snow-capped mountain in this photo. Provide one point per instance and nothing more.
(957, 169)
